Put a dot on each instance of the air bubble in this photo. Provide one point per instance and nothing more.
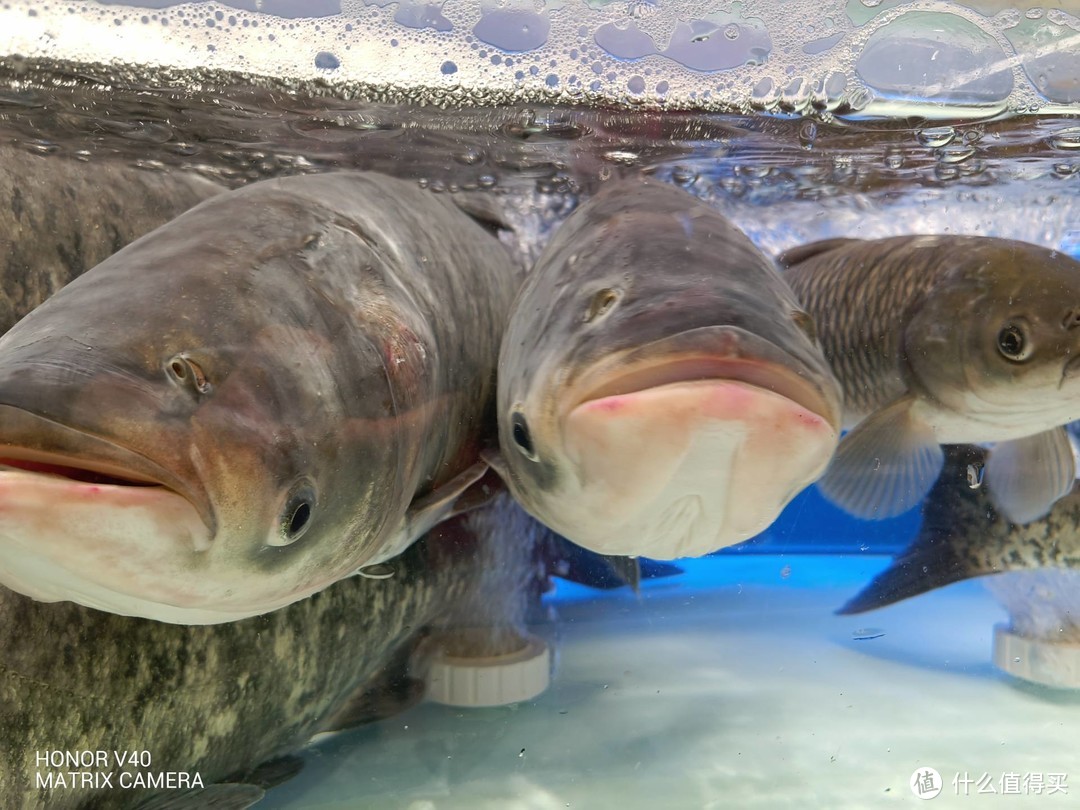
(1066, 139)
(936, 137)
(324, 60)
(448, 68)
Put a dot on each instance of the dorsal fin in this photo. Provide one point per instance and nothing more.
(800, 253)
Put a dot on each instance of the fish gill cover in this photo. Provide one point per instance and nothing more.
(858, 58)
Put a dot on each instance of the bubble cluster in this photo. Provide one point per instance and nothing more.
(826, 58)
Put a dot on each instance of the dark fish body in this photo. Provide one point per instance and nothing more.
(660, 390)
(283, 385)
(60, 217)
(946, 340)
(219, 700)
(964, 536)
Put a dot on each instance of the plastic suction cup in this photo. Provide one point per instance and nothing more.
(495, 680)
(1037, 660)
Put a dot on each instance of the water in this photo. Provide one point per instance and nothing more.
(732, 684)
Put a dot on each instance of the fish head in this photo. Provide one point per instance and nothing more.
(193, 432)
(661, 392)
(999, 338)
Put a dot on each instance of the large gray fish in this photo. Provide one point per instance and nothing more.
(287, 383)
(60, 217)
(177, 710)
(946, 340)
(660, 389)
(964, 536)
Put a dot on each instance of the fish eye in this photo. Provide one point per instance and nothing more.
(184, 371)
(519, 429)
(601, 303)
(1013, 343)
(295, 517)
(806, 324)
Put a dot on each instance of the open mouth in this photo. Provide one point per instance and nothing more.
(703, 368)
(72, 469)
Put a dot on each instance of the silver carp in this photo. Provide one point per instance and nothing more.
(661, 392)
(283, 385)
(964, 536)
(946, 340)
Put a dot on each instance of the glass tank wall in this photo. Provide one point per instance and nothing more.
(850, 654)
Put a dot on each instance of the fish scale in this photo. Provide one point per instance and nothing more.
(860, 336)
(941, 340)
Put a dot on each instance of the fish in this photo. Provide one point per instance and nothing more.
(963, 536)
(287, 384)
(942, 340)
(191, 716)
(59, 217)
(660, 390)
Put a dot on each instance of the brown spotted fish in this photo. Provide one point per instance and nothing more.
(964, 536)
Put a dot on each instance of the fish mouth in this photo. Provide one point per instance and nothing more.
(73, 469)
(31, 443)
(706, 354)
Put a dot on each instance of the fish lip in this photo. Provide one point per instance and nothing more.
(700, 355)
(113, 460)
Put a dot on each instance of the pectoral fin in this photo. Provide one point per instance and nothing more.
(450, 498)
(442, 502)
(1025, 477)
(885, 466)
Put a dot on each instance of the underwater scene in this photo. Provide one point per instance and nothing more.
(539, 404)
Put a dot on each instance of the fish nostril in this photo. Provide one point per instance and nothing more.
(1071, 319)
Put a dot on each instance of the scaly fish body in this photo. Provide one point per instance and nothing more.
(660, 390)
(964, 536)
(217, 701)
(289, 382)
(946, 340)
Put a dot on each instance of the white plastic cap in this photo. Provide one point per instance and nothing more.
(1037, 660)
(495, 680)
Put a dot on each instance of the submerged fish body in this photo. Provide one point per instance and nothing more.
(946, 340)
(963, 536)
(215, 702)
(286, 383)
(660, 389)
(60, 217)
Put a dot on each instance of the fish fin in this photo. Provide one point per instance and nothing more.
(885, 466)
(493, 457)
(483, 208)
(930, 563)
(567, 560)
(942, 552)
(480, 493)
(439, 504)
(389, 692)
(275, 772)
(427, 512)
(800, 253)
(220, 796)
(1025, 477)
